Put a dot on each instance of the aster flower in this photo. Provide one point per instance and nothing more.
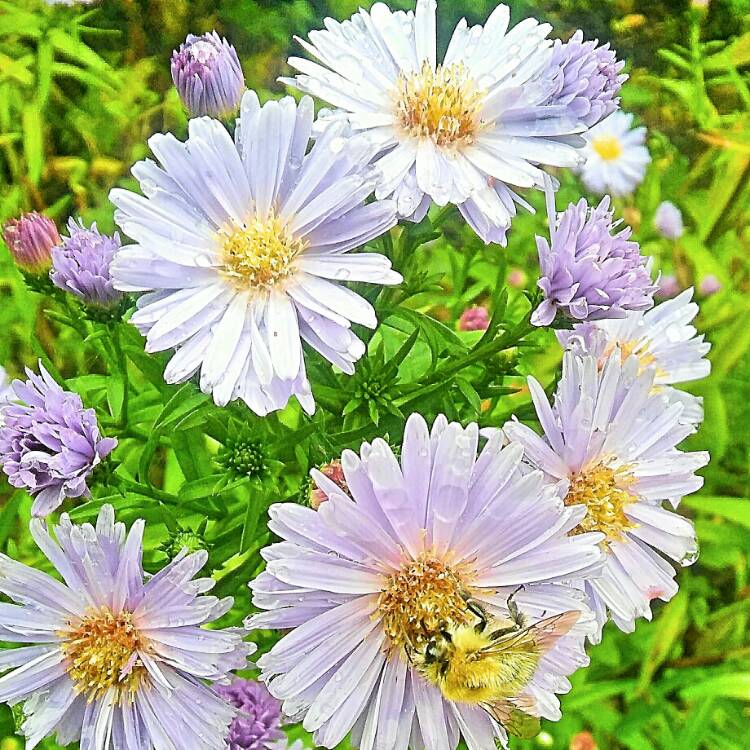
(333, 471)
(30, 240)
(366, 582)
(610, 443)
(474, 319)
(257, 724)
(207, 75)
(616, 157)
(243, 247)
(588, 78)
(119, 659)
(663, 338)
(668, 220)
(589, 272)
(49, 444)
(80, 265)
(470, 130)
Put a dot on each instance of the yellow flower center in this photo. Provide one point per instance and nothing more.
(99, 651)
(637, 348)
(419, 599)
(604, 492)
(442, 104)
(259, 253)
(608, 147)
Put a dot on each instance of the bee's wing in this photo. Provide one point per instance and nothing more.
(541, 635)
(514, 720)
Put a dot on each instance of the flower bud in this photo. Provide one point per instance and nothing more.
(474, 319)
(81, 265)
(207, 74)
(668, 221)
(30, 240)
(668, 287)
(709, 285)
(335, 473)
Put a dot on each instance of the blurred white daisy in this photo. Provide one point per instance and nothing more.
(616, 156)
(243, 246)
(384, 568)
(663, 338)
(471, 129)
(610, 444)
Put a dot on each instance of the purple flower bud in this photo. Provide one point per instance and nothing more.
(668, 287)
(49, 444)
(207, 74)
(474, 319)
(258, 722)
(30, 240)
(709, 285)
(668, 221)
(589, 78)
(588, 272)
(80, 265)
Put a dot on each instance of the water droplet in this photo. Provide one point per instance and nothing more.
(337, 144)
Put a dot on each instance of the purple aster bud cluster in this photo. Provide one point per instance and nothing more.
(258, 721)
(80, 265)
(207, 74)
(588, 78)
(589, 271)
(30, 240)
(50, 444)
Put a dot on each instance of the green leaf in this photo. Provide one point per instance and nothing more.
(670, 625)
(733, 509)
(115, 395)
(733, 685)
(33, 141)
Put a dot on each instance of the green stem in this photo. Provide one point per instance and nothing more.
(122, 361)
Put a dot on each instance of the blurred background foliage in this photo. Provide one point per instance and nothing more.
(81, 90)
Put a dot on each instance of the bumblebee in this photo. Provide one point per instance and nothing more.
(490, 662)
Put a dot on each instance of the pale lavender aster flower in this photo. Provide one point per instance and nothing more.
(610, 445)
(244, 247)
(80, 265)
(589, 272)
(616, 156)
(207, 74)
(474, 319)
(30, 240)
(373, 575)
(663, 338)
(49, 444)
(667, 286)
(257, 725)
(588, 78)
(472, 129)
(709, 285)
(668, 221)
(120, 659)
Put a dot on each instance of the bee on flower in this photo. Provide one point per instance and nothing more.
(427, 600)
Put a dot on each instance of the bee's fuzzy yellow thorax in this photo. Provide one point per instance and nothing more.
(466, 673)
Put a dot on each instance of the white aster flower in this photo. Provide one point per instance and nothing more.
(370, 583)
(663, 338)
(610, 444)
(242, 247)
(469, 130)
(616, 156)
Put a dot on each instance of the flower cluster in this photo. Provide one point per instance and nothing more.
(436, 593)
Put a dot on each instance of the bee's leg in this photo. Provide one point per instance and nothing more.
(515, 613)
